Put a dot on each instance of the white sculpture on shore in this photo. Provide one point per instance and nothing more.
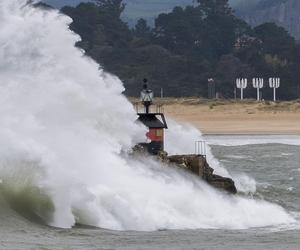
(274, 84)
(241, 83)
(258, 83)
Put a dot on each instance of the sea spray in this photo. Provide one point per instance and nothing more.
(181, 139)
(60, 113)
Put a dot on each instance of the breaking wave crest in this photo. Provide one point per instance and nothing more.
(65, 133)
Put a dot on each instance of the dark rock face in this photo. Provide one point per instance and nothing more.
(195, 164)
(222, 183)
(198, 165)
(284, 13)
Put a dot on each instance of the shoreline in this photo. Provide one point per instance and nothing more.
(251, 134)
(228, 117)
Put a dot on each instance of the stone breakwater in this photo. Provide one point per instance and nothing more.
(198, 165)
(195, 164)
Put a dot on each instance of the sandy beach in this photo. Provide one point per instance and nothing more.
(231, 117)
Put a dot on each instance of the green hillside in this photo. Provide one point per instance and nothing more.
(186, 47)
(150, 9)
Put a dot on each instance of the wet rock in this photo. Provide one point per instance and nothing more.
(195, 164)
(198, 165)
(163, 157)
(139, 150)
(222, 183)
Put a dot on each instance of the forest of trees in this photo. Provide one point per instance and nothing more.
(186, 47)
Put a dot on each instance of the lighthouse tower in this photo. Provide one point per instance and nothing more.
(154, 121)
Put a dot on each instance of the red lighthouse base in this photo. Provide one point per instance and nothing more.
(155, 133)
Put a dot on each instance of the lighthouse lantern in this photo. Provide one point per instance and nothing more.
(155, 122)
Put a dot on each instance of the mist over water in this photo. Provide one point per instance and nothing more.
(65, 133)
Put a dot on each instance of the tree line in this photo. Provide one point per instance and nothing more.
(186, 47)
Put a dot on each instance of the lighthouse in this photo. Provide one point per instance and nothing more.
(154, 121)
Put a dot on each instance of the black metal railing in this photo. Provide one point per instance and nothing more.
(155, 108)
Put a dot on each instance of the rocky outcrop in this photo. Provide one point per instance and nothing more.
(198, 165)
(194, 163)
(222, 183)
(284, 13)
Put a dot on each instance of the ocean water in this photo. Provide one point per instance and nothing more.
(275, 168)
(67, 176)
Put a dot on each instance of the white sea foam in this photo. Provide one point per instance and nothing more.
(181, 139)
(65, 128)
